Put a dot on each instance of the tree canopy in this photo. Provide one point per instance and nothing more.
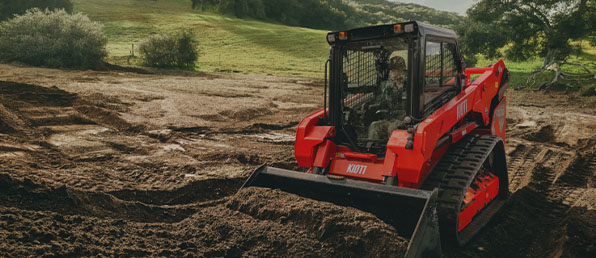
(520, 29)
(527, 27)
(8, 8)
(329, 14)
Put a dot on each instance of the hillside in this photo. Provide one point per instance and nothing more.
(383, 11)
(226, 43)
(458, 6)
(329, 14)
(242, 45)
(229, 43)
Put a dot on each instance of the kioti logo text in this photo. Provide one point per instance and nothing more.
(356, 169)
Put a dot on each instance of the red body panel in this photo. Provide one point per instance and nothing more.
(475, 200)
(459, 133)
(410, 166)
(324, 154)
(308, 137)
(354, 168)
(499, 122)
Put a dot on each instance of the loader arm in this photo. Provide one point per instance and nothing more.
(460, 116)
(405, 82)
(467, 111)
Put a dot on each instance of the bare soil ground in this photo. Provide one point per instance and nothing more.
(126, 164)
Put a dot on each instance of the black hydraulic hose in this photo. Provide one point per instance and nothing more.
(325, 95)
(349, 138)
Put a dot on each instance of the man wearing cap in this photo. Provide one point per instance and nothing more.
(390, 97)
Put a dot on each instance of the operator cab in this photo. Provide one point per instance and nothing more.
(387, 78)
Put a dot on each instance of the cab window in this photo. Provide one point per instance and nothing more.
(440, 84)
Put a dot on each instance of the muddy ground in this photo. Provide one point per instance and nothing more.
(126, 164)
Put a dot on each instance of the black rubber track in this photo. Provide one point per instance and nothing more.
(454, 174)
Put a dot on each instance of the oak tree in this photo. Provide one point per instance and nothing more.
(521, 29)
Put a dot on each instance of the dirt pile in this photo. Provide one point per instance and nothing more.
(32, 196)
(9, 122)
(351, 232)
(241, 225)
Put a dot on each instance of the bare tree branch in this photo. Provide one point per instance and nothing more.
(579, 64)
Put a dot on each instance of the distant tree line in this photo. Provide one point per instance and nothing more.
(8, 8)
(328, 14)
(383, 11)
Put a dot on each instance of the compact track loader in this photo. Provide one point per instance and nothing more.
(404, 134)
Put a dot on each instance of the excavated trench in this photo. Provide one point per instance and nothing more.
(78, 179)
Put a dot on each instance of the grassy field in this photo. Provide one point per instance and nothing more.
(227, 44)
(520, 71)
(247, 46)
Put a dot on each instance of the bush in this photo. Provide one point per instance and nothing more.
(588, 91)
(177, 50)
(52, 39)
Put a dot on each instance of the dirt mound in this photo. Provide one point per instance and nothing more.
(244, 225)
(247, 113)
(350, 231)
(104, 116)
(576, 238)
(264, 222)
(9, 122)
(545, 134)
(196, 191)
(32, 196)
(213, 232)
(23, 95)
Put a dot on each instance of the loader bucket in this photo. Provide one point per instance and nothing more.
(412, 212)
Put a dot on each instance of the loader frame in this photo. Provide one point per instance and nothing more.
(411, 185)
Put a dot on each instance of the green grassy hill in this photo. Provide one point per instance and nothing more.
(231, 44)
(246, 46)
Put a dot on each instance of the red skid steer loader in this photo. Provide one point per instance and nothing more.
(404, 134)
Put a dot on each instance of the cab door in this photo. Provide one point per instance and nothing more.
(440, 83)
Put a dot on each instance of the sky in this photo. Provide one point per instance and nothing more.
(458, 6)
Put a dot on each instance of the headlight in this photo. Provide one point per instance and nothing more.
(330, 38)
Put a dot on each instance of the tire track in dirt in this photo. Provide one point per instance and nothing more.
(551, 169)
(524, 226)
(583, 168)
(28, 195)
(520, 160)
(193, 192)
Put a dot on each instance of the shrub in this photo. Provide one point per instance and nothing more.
(588, 91)
(177, 50)
(52, 39)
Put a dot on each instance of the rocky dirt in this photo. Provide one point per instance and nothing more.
(125, 164)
